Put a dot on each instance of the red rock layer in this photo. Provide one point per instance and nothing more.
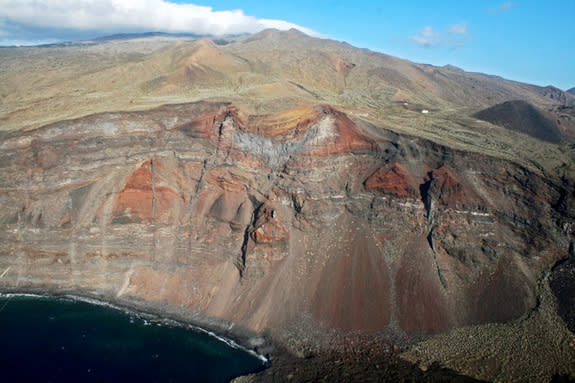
(342, 66)
(394, 180)
(268, 227)
(349, 137)
(143, 198)
(449, 191)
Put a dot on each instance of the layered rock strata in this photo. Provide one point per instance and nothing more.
(267, 221)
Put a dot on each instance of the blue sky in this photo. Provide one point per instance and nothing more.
(529, 41)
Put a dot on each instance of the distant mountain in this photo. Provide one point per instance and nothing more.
(220, 40)
(571, 91)
(268, 72)
(288, 64)
(557, 95)
(129, 36)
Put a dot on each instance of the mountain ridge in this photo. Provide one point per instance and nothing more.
(333, 72)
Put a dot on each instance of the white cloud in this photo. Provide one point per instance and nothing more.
(20, 16)
(458, 29)
(503, 7)
(455, 37)
(427, 38)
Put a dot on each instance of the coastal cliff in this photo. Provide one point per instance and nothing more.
(266, 222)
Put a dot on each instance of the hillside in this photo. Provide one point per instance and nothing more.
(290, 193)
(522, 117)
(48, 84)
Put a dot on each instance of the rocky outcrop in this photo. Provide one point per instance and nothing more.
(316, 218)
(395, 181)
(557, 95)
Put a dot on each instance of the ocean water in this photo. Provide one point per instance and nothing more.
(45, 339)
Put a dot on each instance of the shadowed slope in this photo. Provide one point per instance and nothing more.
(522, 117)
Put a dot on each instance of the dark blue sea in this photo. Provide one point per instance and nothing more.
(44, 339)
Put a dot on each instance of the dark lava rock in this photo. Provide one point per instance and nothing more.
(562, 284)
(365, 365)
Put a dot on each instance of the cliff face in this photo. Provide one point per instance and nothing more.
(271, 220)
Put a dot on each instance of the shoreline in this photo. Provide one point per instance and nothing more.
(224, 331)
(366, 359)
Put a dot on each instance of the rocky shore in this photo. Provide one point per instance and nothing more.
(334, 356)
(346, 358)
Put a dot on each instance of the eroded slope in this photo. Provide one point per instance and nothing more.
(307, 216)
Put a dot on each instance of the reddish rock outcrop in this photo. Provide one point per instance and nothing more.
(145, 198)
(342, 66)
(449, 191)
(268, 224)
(394, 180)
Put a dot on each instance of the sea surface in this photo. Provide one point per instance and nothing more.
(46, 339)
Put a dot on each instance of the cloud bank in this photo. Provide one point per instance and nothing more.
(455, 37)
(35, 20)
